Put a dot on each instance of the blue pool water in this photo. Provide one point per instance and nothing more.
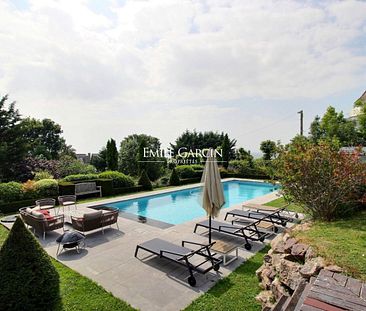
(183, 205)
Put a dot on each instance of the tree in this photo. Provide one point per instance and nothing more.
(44, 138)
(361, 117)
(130, 153)
(333, 125)
(226, 151)
(100, 160)
(112, 155)
(174, 178)
(326, 182)
(268, 147)
(28, 280)
(12, 146)
(242, 154)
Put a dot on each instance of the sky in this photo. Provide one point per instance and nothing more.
(107, 69)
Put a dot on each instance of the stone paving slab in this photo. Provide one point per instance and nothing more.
(147, 283)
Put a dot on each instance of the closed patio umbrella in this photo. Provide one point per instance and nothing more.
(212, 193)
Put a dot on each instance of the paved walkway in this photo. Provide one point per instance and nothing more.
(149, 283)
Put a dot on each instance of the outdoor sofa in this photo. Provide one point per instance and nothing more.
(40, 220)
(98, 219)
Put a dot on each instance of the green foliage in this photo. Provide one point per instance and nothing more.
(11, 191)
(144, 181)
(226, 150)
(341, 242)
(99, 161)
(12, 147)
(130, 154)
(187, 171)
(174, 178)
(46, 188)
(65, 188)
(78, 292)
(269, 149)
(334, 126)
(325, 182)
(81, 177)
(43, 137)
(28, 280)
(107, 186)
(120, 180)
(242, 154)
(69, 166)
(237, 291)
(42, 175)
(112, 155)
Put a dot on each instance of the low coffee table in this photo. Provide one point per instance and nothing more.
(70, 239)
(225, 248)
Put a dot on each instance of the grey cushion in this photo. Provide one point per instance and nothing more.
(92, 216)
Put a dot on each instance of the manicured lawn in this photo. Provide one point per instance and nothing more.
(341, 242)
(79, 292)
(234, 292)
(281, 202)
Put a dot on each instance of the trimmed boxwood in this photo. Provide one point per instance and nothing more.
(186, 181)
(145, 182)
(46, 188)
(11, 191)
(127, 190)
(66, 188)
(174, 178)
(107, 186)
(29, 281)
(81, 177)
(13, 207)
(120, 180)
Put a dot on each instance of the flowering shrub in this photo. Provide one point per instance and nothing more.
(325, 181)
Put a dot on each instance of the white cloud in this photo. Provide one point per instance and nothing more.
(62, 57)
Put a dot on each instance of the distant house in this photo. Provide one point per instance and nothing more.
(85, 158)
(357, 110)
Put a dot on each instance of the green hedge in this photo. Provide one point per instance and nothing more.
(127, 190)
(189, 171)
(81, 177)
(107, 186)
(186, 181)
(11, 191)
(66, 188)
(46, 188)
(13, 207)
(120, 180)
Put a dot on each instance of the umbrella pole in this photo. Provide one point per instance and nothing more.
(209, 230)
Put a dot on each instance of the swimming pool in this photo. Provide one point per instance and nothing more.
(180, 206)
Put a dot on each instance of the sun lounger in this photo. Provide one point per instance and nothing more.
(275, 217)
(271, 209)
(248, 232)
(182, 255)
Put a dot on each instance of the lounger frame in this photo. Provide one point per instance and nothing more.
(248, 233)
(204, 251)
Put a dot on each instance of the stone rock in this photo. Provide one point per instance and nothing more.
(276, 240)
(286, 236)
(265, 297)
(289, 273)
(302, 227)
(310, 253)
(289, 244)
(259, 271)
(267, 258)
(270, 252)
(278, 289)
(299, 250)
(334, 268)
(312, 267)
(266, 282)
(279, 248)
